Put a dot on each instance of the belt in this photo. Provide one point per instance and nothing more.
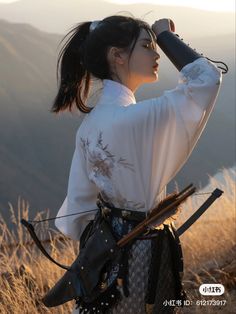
(107, 209)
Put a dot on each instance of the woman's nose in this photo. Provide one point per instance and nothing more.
(157, 56)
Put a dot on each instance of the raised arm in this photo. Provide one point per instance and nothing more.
(175, 49)
(168, 127)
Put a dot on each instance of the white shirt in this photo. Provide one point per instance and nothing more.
(130, 151)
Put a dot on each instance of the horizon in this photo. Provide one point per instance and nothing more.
(205, 5)
(232, 33)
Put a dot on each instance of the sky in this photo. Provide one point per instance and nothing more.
(208, 5)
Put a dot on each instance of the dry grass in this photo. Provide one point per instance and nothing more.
(25, 274)
(208, 246)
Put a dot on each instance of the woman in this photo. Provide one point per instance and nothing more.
(128, 151)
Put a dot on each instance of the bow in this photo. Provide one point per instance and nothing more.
(187, 224)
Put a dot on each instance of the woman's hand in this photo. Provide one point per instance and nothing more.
(163, 25)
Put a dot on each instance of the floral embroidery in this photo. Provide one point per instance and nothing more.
(121, 202)
(102, 160)
(102, 164)
(193, 73)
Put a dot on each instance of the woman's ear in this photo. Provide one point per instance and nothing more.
(116, 56)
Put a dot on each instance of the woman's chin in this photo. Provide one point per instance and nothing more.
(150, 79)
(155, 77)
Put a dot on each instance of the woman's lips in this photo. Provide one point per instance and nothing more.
(155, 67)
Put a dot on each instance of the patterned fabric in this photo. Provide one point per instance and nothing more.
(139, 272)
(139, 262)
(139, 259)
(103, 165)
(166, 289)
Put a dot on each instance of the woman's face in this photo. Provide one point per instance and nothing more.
(143, 64)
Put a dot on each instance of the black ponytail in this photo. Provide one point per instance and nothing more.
(85, 54)
(74, 79)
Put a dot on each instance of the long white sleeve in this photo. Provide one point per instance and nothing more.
(167, 128)
(81, 197)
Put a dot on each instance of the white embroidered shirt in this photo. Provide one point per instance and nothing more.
(130, 151)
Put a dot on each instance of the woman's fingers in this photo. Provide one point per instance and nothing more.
(163, 25)
(172, 25)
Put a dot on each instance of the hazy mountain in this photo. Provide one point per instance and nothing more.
(59, 15)
(36, 147)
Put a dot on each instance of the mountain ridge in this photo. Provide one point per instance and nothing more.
(66, 13)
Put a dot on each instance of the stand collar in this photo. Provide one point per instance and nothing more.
(116, 93)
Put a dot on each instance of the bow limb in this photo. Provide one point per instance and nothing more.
(31, 230)
(188, 223)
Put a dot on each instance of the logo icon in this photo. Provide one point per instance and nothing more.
(211, 289)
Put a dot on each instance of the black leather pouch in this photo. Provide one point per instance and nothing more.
(82, 280)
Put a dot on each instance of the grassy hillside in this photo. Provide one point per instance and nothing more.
(209, 249)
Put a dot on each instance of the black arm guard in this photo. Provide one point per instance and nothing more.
(176, 50)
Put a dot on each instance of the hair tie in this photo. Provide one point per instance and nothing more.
(93, 25)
